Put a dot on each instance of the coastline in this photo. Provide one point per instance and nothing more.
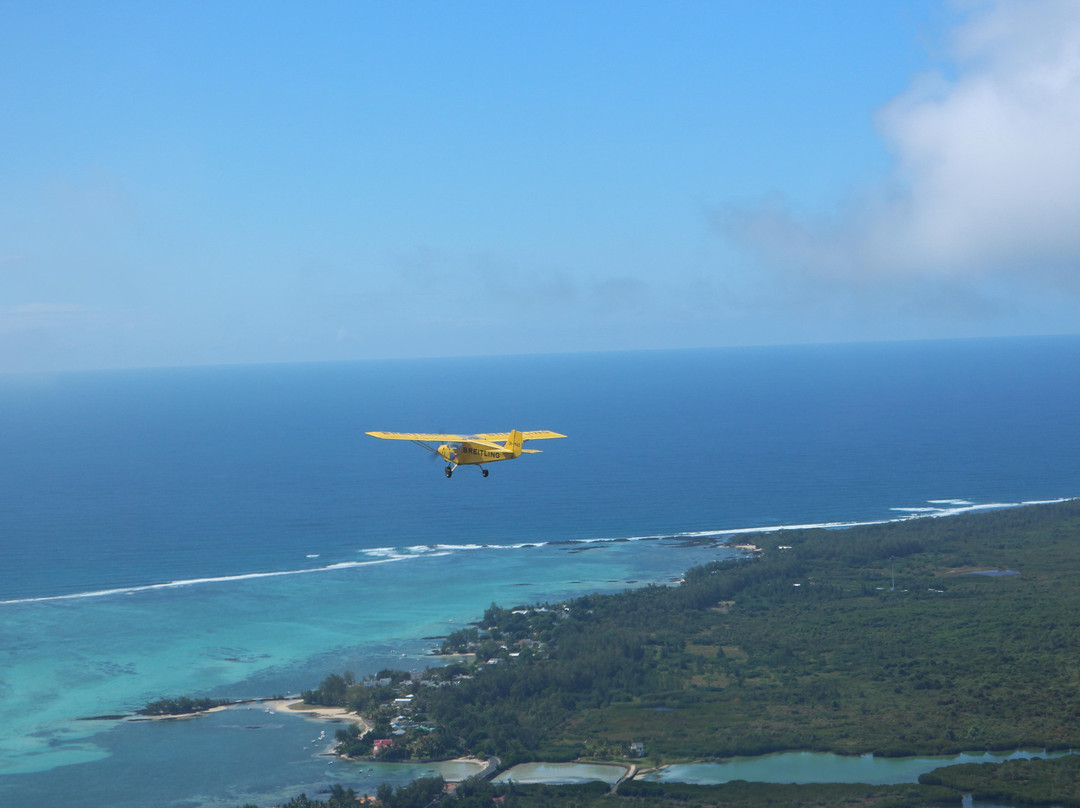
(316, 712)
(336, 715)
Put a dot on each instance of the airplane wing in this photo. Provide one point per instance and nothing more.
(536, 434)
(422, 436)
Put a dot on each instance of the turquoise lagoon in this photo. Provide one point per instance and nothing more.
(823, 767)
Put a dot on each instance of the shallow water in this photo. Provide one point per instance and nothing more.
(269, 636)
(196, 761)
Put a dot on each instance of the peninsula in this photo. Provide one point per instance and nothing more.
(922, 637)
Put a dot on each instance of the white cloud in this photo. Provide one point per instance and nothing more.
(986, 174)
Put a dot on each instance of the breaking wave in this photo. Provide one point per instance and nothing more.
(384, 555)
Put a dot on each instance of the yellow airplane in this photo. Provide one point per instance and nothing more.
(472, 450)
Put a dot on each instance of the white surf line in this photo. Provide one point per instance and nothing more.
(737, 531)
(377, 555)
(382, 555)
(912, 513)
(127, 590)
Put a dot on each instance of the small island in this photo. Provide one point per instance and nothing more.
(181, 707)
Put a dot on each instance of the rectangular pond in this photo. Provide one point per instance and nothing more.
(562, 773)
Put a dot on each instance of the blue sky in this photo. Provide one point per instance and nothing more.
(220, 183)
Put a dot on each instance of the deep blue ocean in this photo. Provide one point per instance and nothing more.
(232, 532)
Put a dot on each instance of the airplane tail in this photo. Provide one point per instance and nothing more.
(513, 443)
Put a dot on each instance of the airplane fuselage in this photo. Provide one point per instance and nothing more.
(469, 453)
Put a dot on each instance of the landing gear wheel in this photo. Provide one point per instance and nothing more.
(485, 471)
(449, 472)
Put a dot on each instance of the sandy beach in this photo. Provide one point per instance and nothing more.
(179, 716)
(297, 707)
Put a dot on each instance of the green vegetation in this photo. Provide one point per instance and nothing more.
(417, 794)
(181, 706)
(339, 798)
(411, 733)
(801, 648)
(806, 646)
(477, 793)
(753, 795)
(1030, 782)
(459, 642)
